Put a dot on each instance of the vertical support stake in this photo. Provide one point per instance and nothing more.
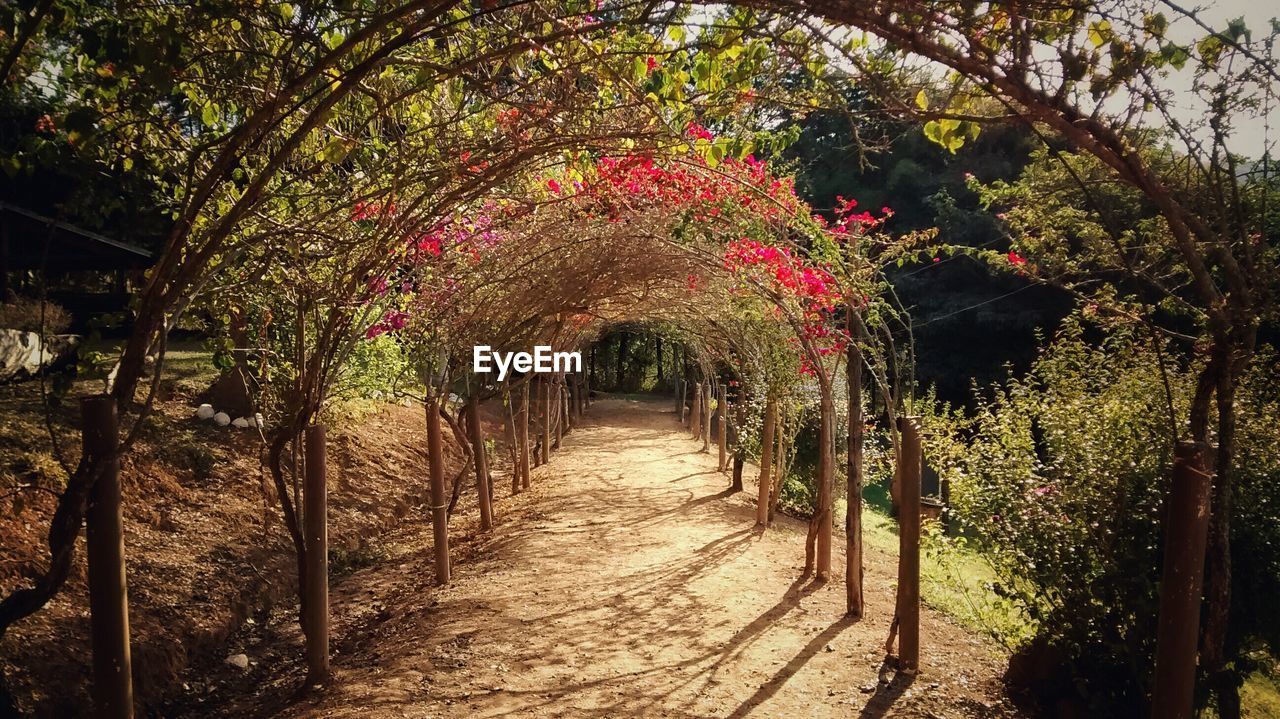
(316, 532)
(108, 588)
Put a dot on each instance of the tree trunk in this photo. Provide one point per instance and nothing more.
(1186, 530)
(481, 462)
(854, 602)
(108, 598)
(509, 434)
(907, 619)
(1225, 682)
(522, 431)
(695, 419)
(706, 417)
(315, 520)
(766, 462)
(722, 429)
(439, 500)
(623, 340)
(548, 416)
(554, 390)
(826, 482)
(660, 370)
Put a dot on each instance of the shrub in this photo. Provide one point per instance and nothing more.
(24, 314)
(1062, 489)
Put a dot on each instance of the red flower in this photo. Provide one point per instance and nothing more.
(698, 132)
(650, 63)
(1016, 259)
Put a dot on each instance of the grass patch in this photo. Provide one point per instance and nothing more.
(954, 580)
(1260, 696)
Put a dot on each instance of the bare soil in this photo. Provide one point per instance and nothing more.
(627, 582)
(207, 554)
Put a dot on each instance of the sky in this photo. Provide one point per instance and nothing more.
(1252, 135)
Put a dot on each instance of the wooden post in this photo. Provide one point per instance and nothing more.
(546, 419)
(684, 388)
(509, 434)
(481, 462)
(439, 499)
(1186, 535)
(108, 588)
(910, 463)
(557, 411)
(695, 420)
(722, 430)
(522, 434)
(855, 604)
(766, 461)
(316, 534)
(826, 484)
(706, 417)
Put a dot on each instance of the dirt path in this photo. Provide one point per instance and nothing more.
(628, 583)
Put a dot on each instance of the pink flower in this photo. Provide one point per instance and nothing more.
(555, 186)
(698, 132)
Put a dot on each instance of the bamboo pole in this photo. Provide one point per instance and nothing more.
(108, 595)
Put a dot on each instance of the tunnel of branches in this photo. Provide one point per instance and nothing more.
(418, 180)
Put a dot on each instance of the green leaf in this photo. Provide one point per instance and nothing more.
(933, 131)
(286, 11)
(922, 100)
(1099, 32)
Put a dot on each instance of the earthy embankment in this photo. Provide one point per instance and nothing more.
(206, 554)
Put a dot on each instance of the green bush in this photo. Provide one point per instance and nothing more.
(1062, 489)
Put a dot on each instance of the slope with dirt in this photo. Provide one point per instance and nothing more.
(206, 550)
(627, 583)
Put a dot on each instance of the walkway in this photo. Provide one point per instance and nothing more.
(629, 583)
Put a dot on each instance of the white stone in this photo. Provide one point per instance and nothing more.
(23, 354)
(205, 411)
(239, 661)
(222, 419)
(240, 422)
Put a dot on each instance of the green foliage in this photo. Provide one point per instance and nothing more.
(374, 369)
(1061, 487)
